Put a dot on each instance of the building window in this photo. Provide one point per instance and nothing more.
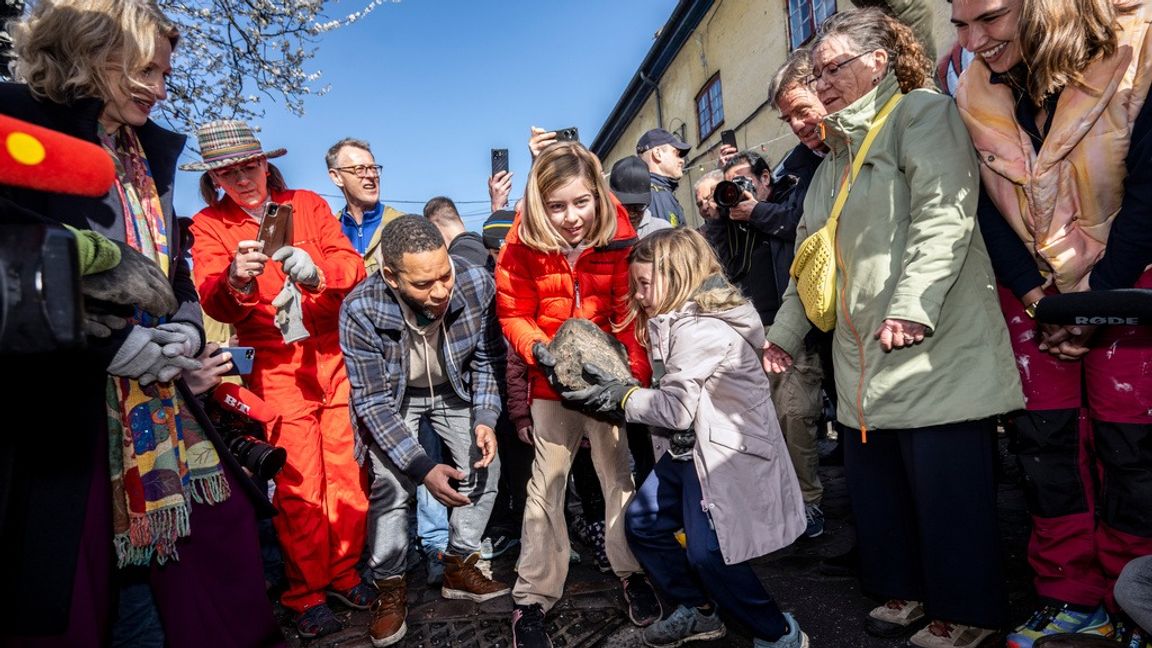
(804, 16)
(709, 107)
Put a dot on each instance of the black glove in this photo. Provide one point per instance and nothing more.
(606, 395)
(135, 281)
(547, 363)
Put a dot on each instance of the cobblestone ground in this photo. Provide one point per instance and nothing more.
(830, 609)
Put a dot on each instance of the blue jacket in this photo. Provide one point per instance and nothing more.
(664, 204)
(375, 338)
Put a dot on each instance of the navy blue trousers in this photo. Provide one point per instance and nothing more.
(670, 499)
(925, 506)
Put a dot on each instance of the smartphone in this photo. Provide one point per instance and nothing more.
(242, 358)
(571, 134)
(275, 228)
(499, 160)
(728, 137)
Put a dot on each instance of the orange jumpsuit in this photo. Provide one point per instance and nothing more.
(319, 493)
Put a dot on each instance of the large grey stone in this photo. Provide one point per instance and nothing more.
(579, 341)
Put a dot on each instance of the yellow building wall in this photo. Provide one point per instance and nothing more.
(746, 41)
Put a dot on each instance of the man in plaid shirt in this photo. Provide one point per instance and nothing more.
(421, 339)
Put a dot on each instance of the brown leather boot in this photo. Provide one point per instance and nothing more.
(389, 612)
(463, 580)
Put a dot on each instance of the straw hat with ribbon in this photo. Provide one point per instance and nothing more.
(226, 142)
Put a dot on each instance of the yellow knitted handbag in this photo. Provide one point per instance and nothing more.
(814, 267)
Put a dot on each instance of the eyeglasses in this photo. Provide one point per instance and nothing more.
(236, 173)
(362, 170)
(832, 69)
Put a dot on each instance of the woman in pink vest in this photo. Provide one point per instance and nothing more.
(1064, 146)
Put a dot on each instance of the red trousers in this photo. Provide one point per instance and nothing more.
(1085, 445)
(320, 492)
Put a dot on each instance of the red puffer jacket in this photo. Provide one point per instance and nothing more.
(537, 291)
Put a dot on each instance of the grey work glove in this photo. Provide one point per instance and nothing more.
(189, 347)
(101, 325)
(290, 314)
(135, 281)
(142, 356)
(298, 265)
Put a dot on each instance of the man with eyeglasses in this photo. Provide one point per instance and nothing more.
(353, 169)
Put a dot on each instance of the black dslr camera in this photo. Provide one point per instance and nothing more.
(261, 458)
(729, 193)
(245, 440)
(40, 301)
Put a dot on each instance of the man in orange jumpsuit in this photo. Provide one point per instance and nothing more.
(288, 310)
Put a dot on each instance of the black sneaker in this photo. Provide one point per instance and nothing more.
(643, 605)
(528, 627)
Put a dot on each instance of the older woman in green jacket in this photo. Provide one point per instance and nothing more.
(921, 355)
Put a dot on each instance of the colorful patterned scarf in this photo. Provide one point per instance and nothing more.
(157, 450)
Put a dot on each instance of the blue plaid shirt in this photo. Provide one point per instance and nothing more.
(375, 342)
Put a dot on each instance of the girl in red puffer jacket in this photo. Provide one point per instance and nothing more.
(567, 256)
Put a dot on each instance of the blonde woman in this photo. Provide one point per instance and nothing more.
(718, 433)
(566, 256)
(134, 485)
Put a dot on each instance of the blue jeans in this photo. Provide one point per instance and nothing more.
(431, 515)
(670, 499)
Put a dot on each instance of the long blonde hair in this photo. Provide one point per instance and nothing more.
(1059, 38)
(555, 167)
(65, 48)
(684, 267)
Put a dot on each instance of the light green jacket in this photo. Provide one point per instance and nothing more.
(909, 248)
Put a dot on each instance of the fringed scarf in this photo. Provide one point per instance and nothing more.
(157, 450)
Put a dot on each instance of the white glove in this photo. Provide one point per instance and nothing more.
(188, 347)
(142, 356)
(298, 265)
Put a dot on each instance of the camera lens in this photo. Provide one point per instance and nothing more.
(262, 459)
(727, 194)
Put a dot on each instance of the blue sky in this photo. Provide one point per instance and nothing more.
(433, 85)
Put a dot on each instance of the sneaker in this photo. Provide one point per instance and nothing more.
(643, 606)
(389, 612)
(317, 621)
(940, 634)
(794, 639)
(1066, 640)
(359, 597)
(815, 517)
(1051, 620)
(683, 625)
(463, 580)
(1130, 635)
(435, 567)
(494, 546)
(896, 618)
(528, 627)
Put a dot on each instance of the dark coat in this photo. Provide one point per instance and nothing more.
(46, 470)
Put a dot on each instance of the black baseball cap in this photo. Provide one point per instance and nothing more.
(657, 137)
(496, 228)
(631, 182)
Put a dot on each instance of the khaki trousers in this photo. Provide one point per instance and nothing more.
(796, 395)
(543, 564)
